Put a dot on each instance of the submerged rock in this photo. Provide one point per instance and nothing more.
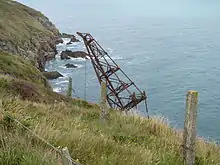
(73, 39)
(64, 56)
(69, 43)
(52, 75)
(49, 56)
(71, 65)
(58, 40)
(77, 54)
(71, 36)
(65, 35)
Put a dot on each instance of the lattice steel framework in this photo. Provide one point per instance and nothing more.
(122, 93)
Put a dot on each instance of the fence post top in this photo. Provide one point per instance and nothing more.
(65, 148)
(193, 92)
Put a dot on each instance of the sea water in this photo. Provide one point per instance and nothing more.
(166, 47)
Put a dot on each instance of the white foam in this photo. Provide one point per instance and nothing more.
(78, 66)
(66, 74)
(78, 59)
(62, 82)
(63, 67)
(66, 40)
(58, 89)
(115, 58)
(60, 44)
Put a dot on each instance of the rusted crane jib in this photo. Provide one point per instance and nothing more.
(122, 93)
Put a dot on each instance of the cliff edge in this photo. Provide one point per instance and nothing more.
(27, 33)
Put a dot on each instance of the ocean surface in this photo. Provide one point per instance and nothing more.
(167, 48)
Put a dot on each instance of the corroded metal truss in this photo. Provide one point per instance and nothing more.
(122, 93)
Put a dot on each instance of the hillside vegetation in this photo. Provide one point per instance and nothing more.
(26, 32)
(63, 121)
(26, 95)
(121, 140)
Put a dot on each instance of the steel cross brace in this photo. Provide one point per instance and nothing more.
(122, 93)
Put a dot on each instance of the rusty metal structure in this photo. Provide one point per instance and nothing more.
(122, 93)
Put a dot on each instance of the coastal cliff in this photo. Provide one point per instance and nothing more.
(27, 41)
(27, 33)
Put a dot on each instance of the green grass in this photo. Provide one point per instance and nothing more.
(121, 140)
(20, 25)
(62, 121)
(16, 67)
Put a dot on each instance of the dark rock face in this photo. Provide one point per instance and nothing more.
(58, 40)
(52, 75)
(70, 66)
(76, 54)
(41, 35)
(49, 56)
(73, 39)
(69, 43)
(65, 35)
(71, 36)
(64, 56)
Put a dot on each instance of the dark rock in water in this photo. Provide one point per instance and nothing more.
(58, 40)
(52, 75)
(64, 56)
(49, 56)
(73, 39)
(70, 66)
(71, 36)
(69, 43)
(65, 35)
(76, 54)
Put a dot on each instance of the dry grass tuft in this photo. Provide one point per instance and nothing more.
(122, 140)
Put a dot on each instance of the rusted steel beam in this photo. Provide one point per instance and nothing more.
(122, 93)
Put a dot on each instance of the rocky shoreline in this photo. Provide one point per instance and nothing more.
(30, 35)
(35, 39)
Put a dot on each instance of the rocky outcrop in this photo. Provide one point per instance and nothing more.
(70, 66)
(34, 39)
(52, 75)
(59, 40)
(64, 56)
(71, 36)
(69, 43)
(73, 39)
(77, 54)
(65, 35)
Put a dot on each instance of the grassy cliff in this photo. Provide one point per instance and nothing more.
(26, 32)
(26, 96)
(122, 140)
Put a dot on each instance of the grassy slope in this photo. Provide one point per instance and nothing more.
(76, 124)
(19, 78)
(88, 140)
(19, 23)
(19, 68)
(72, 123)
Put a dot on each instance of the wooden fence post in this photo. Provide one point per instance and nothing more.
(66, 158)
(189, 135)
(103, 101)
(70, 88)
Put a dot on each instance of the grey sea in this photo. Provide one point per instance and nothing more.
(166, 47)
